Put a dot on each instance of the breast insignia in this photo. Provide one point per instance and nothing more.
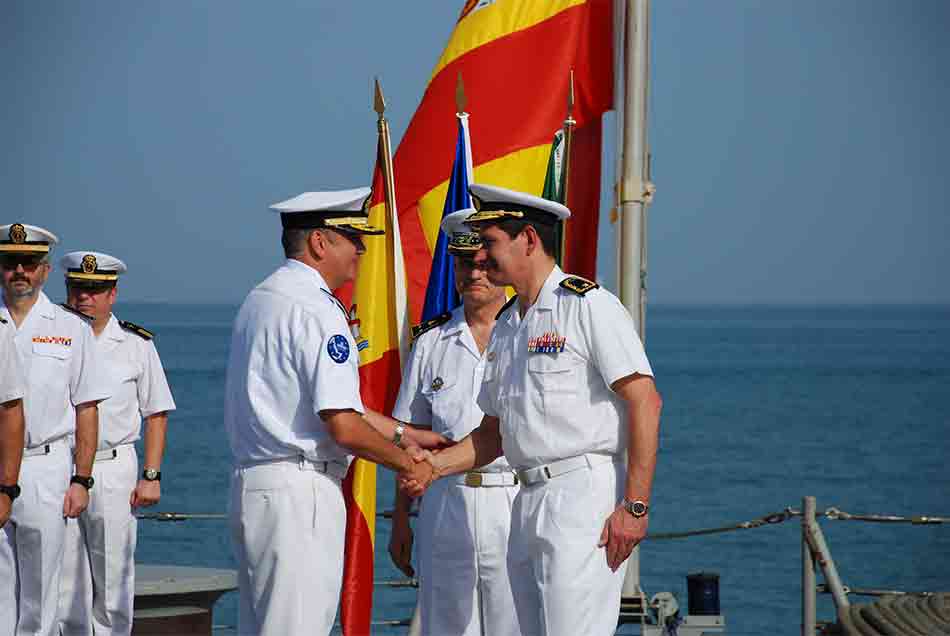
(85, 317)
(141, 332)
(504, 308)
(578, 285)
(432, 323)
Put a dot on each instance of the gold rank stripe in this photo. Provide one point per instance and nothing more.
(85, 276)
(23, 247)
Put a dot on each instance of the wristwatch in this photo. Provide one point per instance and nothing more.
(397, 435)
(85, 482)
(637, 508)
(150, 474)
(10, 491)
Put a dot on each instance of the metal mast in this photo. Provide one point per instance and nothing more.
(635, 191)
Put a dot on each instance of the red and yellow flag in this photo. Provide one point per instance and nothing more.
(515, 58)
(381, 295)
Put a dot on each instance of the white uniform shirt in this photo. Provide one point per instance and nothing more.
(140, 388)
(441, 381)
(57, 349)
(292, 356)
(12, 381)
(554, 405)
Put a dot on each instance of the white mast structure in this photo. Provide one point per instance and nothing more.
(635, 190)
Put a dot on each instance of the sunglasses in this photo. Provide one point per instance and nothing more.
(28, 263)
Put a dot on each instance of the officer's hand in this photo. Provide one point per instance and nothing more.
(415, 481)
(5, 506)
(621, 534)
(400, 544)
(146, 493)
(76, 500)
(425, 438)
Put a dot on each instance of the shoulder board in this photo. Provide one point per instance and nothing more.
(432, 323)
(141, 332)
(504, 308)
(85, 317)
(578, 285)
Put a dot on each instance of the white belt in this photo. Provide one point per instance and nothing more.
(539, 474)
(334, 469)
(475, 479)
(109, 453)
(42, 449)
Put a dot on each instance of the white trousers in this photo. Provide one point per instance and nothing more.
(31, 546)
(559, 577)
(462, 557)
(288, 525)
(98, 586)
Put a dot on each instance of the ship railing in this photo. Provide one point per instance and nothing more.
(815, 555)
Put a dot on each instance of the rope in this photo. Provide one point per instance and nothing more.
(834, 514)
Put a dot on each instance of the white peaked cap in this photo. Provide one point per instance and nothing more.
(20, 238)
(494, 202)
(91, 266)
(344, 210)
(461, 236)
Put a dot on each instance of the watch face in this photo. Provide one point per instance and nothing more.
(151, 474)
(639, 508)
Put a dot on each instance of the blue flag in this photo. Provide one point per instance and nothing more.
(441, 295)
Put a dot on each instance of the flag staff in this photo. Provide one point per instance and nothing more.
(636, 193)
(382, 127)
(460, 99)
(569, 124)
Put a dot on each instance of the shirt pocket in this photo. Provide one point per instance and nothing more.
(49, 350)
(444, 405)
(558, 374)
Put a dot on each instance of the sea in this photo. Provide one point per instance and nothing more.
(763, 405)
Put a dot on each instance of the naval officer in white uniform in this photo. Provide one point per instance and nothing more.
(294, 417)
(64, 385)
(463, 521)
(12, 427)
(98, 587)
(568, 394)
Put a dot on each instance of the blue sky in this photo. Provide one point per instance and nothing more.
(800, 148)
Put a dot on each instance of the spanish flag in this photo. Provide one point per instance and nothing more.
(382, 339)
(515, 57)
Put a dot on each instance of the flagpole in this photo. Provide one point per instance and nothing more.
(382, 127)
(569, 124)
(389, 187)
(636, 193)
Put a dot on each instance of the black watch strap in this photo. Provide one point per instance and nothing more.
(85, 482)
(150, 474)
(12, 491)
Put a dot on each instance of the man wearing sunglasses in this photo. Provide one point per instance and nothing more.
(64, 385)
(294, 418)
(98, 586)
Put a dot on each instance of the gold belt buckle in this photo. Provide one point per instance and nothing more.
(473, 480)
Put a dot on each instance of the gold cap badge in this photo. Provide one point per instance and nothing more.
(18, 233)
(89, 263)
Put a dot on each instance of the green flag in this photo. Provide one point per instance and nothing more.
(554, 184)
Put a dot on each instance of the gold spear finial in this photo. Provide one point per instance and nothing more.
(379, 103)
(460, 95)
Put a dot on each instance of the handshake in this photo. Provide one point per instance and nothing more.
(425, 469)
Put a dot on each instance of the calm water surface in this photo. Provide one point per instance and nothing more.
(762, 405)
